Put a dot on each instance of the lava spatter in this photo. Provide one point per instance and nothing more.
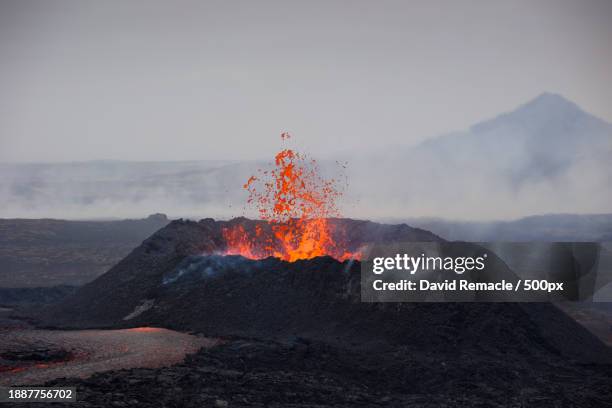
(296, 202)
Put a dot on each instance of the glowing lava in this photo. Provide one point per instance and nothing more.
(296, 203)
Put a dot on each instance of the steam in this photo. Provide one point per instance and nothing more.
(476, 190)
(92, 190)
(196, 268)
(406, 186)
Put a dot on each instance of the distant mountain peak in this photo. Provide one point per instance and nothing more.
(550, 101)
(546, 96)
(545, 110)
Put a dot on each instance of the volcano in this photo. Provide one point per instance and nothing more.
(139, 278)
(295, 331)
(180, 278)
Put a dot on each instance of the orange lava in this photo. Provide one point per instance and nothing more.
(144, 329)
(11, 369)
(296, 203)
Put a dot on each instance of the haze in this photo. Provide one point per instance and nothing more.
(151, 80)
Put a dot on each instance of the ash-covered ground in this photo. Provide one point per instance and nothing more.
(296, 334)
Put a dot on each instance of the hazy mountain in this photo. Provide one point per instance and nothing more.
(547, 156)
(540, 140)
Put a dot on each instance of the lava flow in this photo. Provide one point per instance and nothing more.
(296, 203)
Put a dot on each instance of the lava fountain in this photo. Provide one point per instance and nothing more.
(297, 205)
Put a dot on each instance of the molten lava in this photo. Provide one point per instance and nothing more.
(296, 203)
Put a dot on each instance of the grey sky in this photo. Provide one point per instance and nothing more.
(151, 80)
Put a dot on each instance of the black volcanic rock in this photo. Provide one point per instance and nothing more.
(303, 373)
